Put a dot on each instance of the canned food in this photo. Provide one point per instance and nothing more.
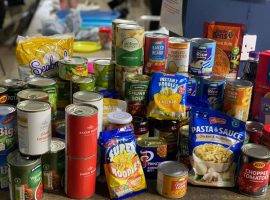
(70, 66)
(34, 127)
(172, 179)
(48, 85)
(193, 89)
(155, 52)
(254, 131)
(25, 177)
(13, 86)
(254, 170)
(202, 56)
(53, 164)
(183, 152)
(237, 97)
(63, 94)
(80, 177)
(91, 98)
(81, 130)
(35, 95)
(140, 126)
(104, 70)
(118, 119)
(3, 95)
(61, 131)
(178, 55)
(129, 45)
(8, 127)
(212, 91)
(151, 151)
(82, 83)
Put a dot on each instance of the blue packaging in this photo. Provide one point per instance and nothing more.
(108, 93)
(193, 90)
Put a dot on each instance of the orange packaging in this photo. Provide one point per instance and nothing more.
(229, 38)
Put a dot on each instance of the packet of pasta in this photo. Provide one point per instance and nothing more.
(122, 165)
(229, 38)
(167, 96)
(38, 55)
(215, 141)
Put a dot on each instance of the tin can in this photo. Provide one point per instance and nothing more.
(178, 55)
(104, 71)
(151, 151)
(8, 127)
(265, 138)
(115, 23)
(202, 56)
(31, 94)
(193, 89)
(34, 127)
(63, 94)
(81, 130)
(237, 97)
(53, 164)
(254, 170)
(91, 98)
(13, 86)
(70, 66)
(3, 95)
(172, 179)
(61, 131)
(140, 125)
(212, 91)
(48, 85)
(25, 177)
(254, 132)
(183, 152)
(129, 45)
(82, 83)
(121, 73)
(155, 52)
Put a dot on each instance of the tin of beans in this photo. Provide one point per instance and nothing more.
(31, 94)
(3, 95)
(13, 86)
(104, 71)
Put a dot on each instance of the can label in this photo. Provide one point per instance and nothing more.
(136, 92)
(66, 71)
(171, 139)
(193, 90)
(8, 128)
(104, 76)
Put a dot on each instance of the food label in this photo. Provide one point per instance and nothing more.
(136, 92)
(8, 127)
(171, 139)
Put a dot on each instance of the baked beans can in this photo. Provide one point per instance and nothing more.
(63, 94)
(81, 130)
(25, 177)
(178, 55)
(3, 95)
(31, 94)
(183, 152)
(172, 179)
(151, 151)
(13, 86)
(91, 98)
(82, 83)
(155, 52)
(212, 91)
(80, 177)
(237, 98)
(70, 66)
(34, 127)
(254, 132)
(104, 71)
(129, 45)
(53, 164)
(202, 56)
(254, 170)
(48, 85)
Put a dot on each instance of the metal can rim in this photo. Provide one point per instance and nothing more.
(98, 96)
(68, 60)
(22, 83)
(156, 35)
(179, 168)
(249, 123)
(179, 40)
(143, 78)
(202, 41)
(61, 147)
(16, 154)
(104, 62)
(21, 106)
(239, 83)
(46, 82)
(123, 21)
(260, 148)
(22, 92)
(83, 79)
(93, 109)
(130, 27)
(2, 90)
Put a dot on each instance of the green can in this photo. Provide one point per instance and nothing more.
(81, 83)
(53, 164)
(48, 85)
(13, 86)
(104, 71)
(25, 177)
(63, 93)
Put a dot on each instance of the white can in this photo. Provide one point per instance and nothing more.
(34, 127)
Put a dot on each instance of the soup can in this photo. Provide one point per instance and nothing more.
(34, 127)
(70, 66)
(172, 179)
(253, 175)
(82, 83)
(178, 55)
(3, 95)
(104, 71)
(63, 94)
(81, 130)
(80, 177)
(13, 86)
(129, 45)
(48, 85)
(151, 151)
(237, 98)
(31, 94)
(202, 56)
(254, 132)
(53, 164)
(155, 52)
(25, 177)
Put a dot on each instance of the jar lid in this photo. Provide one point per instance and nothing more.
(119, 117)
(266, 129)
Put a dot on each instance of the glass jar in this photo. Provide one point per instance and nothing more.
(140, 125)
(265, 139)
(118, 119)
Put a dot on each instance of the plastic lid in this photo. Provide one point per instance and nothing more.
(119, 117)
(266, 129)
(254, 54)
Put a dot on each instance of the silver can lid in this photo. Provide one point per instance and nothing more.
(202, 40)
(178, 40)
(2, 90)
(57, 145)
(33, 106)
(81, 110)
(17, 160)
(87, 96)
(156, 35)
(83, 79)
(256, 151)
(253, 126)
(6, 109)
(41, 82)
(172, 168)
(130, 27)
(239, 83)
(75, 60)
(31, 94)
(104, 62)
(16, 83)
(123, 21)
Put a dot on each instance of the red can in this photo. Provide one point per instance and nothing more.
(80, 177)
(81, 130)
(155, 52)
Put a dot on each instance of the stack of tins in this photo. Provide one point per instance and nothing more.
(81, 150)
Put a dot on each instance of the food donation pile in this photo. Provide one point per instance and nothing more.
(165, 108)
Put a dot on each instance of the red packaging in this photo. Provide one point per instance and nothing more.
(81, 130)
(80, 177)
